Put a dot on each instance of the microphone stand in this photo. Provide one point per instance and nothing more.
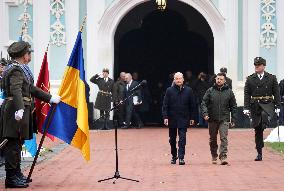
(116, 173)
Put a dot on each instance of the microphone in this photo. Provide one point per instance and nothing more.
(143, 82)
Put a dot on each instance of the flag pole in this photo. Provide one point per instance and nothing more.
(40, 144)
(42, 138)
(83, 24)
(81, 30)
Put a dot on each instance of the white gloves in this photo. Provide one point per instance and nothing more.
(55, 99)
(1, 101)
(246, 112)
(277, 111)
(19, 114)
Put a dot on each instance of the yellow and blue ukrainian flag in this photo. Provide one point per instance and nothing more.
(70, 118)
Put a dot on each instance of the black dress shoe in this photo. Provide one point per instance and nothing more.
(174, 160)
(181, 162)
(15, 182)
(258, 158)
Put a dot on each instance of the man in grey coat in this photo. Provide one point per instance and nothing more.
(216, 106)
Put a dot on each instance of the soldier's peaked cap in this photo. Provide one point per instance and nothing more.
(259, 61)
(19, 49)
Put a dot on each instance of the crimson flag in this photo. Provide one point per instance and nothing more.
(42, 108)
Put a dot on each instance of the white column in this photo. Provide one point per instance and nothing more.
(280, 39)
(41, 24)
(72, 24)
(251, 34)
(95, 10)
(229, 11)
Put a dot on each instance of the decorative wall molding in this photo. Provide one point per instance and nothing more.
(25, 17)
(268, 35)
(57, 29)
(11, 2)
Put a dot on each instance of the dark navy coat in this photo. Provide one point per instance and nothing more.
(179, 106)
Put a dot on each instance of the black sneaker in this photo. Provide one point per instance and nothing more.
(181, 162)
(174, 160)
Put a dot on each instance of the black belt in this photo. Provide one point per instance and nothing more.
(28, 99)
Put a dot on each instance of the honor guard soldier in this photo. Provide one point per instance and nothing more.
(261, 101)
(104, 96)
(17, 122)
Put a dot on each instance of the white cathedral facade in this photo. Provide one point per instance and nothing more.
(240, 30)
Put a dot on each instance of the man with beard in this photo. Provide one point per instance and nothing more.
(216, 105)
(261, 101)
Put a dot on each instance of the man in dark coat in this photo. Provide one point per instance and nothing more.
(118, 96)
(200, 87)
(216, 106)
(133, 101)
(261, 101)
(178, 111)
(16, 111)
(3, 64)
(104, 96)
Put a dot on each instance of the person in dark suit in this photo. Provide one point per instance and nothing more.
(17, 122)
(132, 102)
(261, 101)
(178, 111)
(104, 96)
(118, 96)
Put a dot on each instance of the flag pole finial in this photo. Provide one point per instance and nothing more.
(47, 48)
(83, 24)
(22, 29)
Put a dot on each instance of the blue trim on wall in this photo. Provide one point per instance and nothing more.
(216, 3)
(57, 54)
(269, 54)
(15, 25)
(240, 40)
(108, 2)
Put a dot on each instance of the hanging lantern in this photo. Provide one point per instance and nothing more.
(161, 4)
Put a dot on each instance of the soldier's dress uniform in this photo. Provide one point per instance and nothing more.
(18, 91)
(261, 98)
(104, 96)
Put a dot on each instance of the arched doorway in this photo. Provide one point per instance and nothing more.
(156, 43)
(103, 43)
